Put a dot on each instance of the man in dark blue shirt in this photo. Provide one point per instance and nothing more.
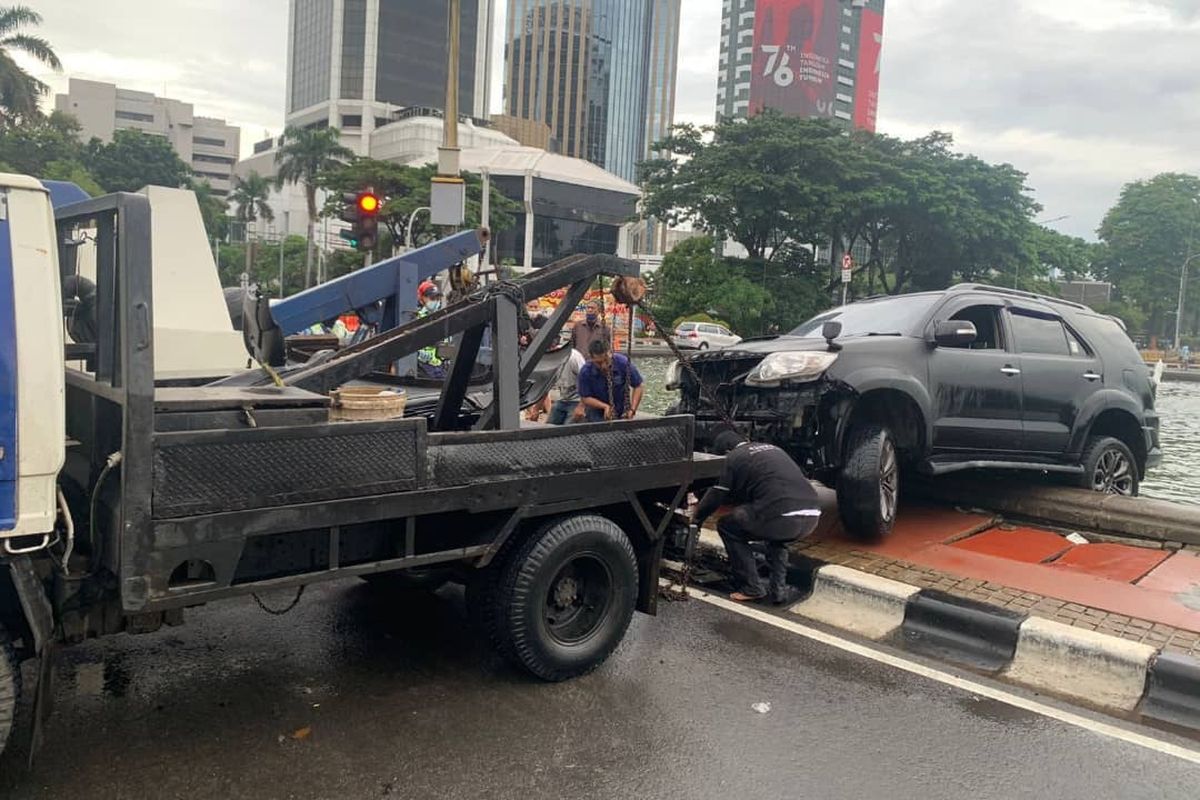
(610, 386)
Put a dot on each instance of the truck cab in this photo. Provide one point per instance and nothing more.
(32, 414)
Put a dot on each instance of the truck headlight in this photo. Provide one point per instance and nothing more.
(672, 376)
(800, 366)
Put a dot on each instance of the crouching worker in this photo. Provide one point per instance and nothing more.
(774, 504)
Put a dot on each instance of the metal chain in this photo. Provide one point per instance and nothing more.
(279, 612)
(687, 365)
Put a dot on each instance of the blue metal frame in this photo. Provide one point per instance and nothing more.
(8, 383)
(392, 282)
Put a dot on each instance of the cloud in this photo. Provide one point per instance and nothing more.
(1084, 95)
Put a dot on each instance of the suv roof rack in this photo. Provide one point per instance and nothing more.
(981, 287)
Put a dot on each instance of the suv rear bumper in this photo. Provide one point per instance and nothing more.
(1154, 453)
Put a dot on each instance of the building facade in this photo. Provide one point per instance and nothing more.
(210, 146)
(600, 73)
(354, 64)
(810, 58)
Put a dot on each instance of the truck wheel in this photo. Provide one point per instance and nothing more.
(1109, 467)
(869, 485)
(10, 686)
(566, 597)
(421, 579)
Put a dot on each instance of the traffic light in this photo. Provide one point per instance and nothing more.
(361, 210)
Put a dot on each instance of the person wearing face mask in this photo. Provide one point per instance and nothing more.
(590, 329)
(429, 363)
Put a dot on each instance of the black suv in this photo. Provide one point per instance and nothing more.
(971, 377)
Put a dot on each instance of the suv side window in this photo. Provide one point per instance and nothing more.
(709, 329)
(1039, 334)
(990, 333)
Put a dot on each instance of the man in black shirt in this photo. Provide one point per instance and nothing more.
(775, 504)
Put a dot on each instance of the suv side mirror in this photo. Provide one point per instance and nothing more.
(830, 331)
(954, 333)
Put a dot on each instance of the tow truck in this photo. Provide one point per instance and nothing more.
(148, 466)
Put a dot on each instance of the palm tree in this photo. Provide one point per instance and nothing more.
(250, 196)
(20, 91)
(304, 155)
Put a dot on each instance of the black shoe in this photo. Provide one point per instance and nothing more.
(785, 597)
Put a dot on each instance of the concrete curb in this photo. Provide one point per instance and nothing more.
(1097, 669)
(1093, 667)
(859, 602)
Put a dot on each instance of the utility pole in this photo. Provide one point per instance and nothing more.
(282, 240)
(448, 193)
(1182, 291)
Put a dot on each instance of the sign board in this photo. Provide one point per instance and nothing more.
(847, 268)
(448, 201)
(795, 53)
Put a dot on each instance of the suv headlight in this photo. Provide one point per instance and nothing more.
(779, 367)
(672, 376)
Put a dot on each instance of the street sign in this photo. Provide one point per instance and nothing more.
(847, 268)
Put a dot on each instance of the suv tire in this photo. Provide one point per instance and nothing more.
(10, 686)
(1110, 467)
(869, 484)
(567, 596)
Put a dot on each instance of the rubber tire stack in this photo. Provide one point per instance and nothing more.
(507, 600)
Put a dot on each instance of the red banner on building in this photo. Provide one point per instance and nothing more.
(866, 89)
(795, 56)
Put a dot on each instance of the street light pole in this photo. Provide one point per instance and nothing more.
(408, 240)
(1182, 290)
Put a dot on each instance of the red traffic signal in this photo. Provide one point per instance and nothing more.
(368, 203)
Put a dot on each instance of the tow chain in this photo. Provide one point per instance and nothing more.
(279, 612)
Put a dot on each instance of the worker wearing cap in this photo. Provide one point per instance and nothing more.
(429, 363)
(774, 504)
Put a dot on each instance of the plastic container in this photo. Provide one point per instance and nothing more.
(359, 403)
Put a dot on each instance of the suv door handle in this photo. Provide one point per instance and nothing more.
(1091, 376)
(1010, 371)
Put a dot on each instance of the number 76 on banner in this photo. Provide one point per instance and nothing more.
(777, 65)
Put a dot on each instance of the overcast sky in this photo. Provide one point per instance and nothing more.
(1083, 95)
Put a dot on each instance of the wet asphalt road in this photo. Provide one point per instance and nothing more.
(402, 701)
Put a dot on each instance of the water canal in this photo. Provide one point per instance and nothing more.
(1177, 479)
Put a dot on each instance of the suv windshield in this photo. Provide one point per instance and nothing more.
(890, 317)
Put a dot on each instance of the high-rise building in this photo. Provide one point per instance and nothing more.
(353, 64)
(600, 73)
(210, 146)
(812, 58)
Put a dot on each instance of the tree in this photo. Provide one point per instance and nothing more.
(48, 147)
(761, 182)
(134, 159)
(405, 189)
(304, 156)
(250, 196)
(1147, 236)
(692, 280)
(20, 92)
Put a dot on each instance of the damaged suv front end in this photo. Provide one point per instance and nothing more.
(785, 397)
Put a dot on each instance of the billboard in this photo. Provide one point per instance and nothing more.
(866, 81)
(795, 56)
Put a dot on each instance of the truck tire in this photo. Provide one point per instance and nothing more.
(869, 484)
(10, 686)
(1110, 467)
(566, 597)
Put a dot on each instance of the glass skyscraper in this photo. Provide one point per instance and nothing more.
(599, 73)
(353, 63)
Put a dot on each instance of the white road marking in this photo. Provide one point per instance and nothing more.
(1079, 721)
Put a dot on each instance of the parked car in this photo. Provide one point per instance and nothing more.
(937, 382)
(704, 336)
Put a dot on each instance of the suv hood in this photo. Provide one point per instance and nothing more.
(762, 347)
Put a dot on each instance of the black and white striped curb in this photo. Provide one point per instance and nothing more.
(1100, 670)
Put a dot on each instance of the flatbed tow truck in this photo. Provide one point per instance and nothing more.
(129, 493)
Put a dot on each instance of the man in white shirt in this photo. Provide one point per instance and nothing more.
(567, 407)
